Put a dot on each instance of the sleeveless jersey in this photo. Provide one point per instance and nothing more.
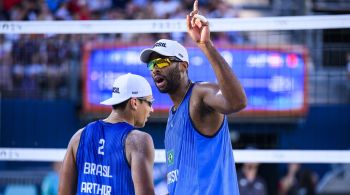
(198, 164)
(101, 161)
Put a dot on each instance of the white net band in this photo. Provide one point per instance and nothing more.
(175, 25)
(241, 156)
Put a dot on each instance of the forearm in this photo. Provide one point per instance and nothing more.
(229, 84)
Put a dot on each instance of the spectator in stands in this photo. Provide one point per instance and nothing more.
(298, 181)
(99, 6)
(53, 6)
(45, 12)
(165, 8)
(307, 182)
(288, 185)
(224, 9)
(79, 10)
(249, 182)
(62, 12)
(49, 185)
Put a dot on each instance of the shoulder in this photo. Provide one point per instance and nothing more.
(76, 137)
(205, 86)
(200, 92)
(139, 140)
(201, 89)
(74, 141)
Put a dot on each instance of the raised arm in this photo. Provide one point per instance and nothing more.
(140, 154)
(228, 96)
(68, 172)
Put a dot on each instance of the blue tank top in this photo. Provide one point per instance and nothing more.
(101, 161)
(198, 164)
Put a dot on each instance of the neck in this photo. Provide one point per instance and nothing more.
(178, 96)
(119, 116)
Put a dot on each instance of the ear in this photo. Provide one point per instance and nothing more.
(183, 66)
(133, 104)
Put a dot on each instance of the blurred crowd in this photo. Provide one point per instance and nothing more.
(48, 65)
(296, 181)
(109, 9)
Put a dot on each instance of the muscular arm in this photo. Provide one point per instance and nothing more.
(68, 173)
(228, 96)
(140, 154)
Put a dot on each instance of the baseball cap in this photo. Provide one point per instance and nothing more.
(127, 86)
(166, 47)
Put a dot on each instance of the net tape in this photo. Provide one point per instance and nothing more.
(175, 25)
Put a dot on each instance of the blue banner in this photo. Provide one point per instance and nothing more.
(274, 80)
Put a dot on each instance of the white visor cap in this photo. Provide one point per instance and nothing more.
(127, 86)
(166, 47)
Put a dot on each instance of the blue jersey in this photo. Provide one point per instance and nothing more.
(101, 161)
(198, 164)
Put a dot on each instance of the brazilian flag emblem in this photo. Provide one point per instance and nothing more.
(170, 157)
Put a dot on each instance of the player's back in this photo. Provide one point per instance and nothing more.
(101, 160)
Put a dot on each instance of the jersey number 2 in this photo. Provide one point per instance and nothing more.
(100, 148)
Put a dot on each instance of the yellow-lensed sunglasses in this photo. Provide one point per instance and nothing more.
(161, 62)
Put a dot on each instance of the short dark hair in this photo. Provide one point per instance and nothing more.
(121, 106)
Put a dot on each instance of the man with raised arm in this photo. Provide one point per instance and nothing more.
(197, 140)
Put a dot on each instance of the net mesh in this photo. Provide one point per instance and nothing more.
(287, 74)
(295, 71)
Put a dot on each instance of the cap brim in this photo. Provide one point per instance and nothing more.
(112, 101)
(144, 57)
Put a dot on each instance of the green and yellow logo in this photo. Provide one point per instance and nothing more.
(170, 157)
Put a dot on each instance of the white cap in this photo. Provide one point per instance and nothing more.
(166, 47)
(127, 86)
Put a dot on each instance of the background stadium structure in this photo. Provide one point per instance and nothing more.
(294, 62)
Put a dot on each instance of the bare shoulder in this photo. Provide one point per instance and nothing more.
(74, 141)
(201, 89)
(205, 86)
(205, 117)
(76, 137)
(139, 141)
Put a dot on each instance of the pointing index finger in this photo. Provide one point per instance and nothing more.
(195, 5)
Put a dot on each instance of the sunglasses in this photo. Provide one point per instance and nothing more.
(149, 102)
(161, 62)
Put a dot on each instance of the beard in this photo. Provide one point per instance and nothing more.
(172, 81)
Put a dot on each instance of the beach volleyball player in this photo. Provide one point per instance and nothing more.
(110, 156)
(198, 147)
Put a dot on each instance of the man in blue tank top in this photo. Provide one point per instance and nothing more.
(110, 156)
(197, 141)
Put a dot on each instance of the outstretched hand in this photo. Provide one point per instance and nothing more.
(197, 25)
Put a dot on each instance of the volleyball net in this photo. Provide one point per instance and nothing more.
(241, 156)
(287, 65)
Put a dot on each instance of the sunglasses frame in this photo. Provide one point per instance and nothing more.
(151, 64)
(149, 102)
